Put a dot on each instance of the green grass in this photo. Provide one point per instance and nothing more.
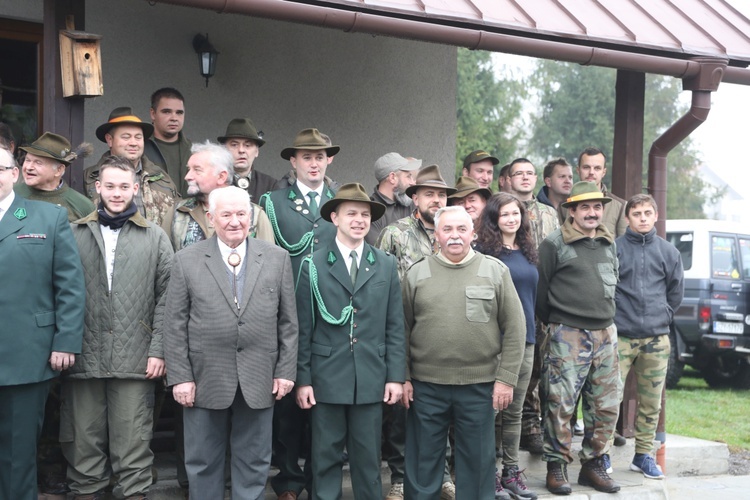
(695, 410)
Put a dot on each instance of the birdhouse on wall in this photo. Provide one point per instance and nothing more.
(81, 63)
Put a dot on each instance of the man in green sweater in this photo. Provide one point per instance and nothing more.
(465, 332)
(575, 297)
(45, 164)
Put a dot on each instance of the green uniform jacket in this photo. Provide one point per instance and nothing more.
(344, 370)
(42, 294)
(286, 210)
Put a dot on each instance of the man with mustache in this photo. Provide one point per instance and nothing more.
(395, 174)
(209, 168)
(578, 273)
(465, 332)
(592, 167)
(411, 239)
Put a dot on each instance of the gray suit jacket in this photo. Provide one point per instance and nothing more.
(208, 341)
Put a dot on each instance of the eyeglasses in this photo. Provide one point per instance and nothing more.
(7, 168)
(521, 173)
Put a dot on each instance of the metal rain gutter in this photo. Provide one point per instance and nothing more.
(360, 22)
(707, 81)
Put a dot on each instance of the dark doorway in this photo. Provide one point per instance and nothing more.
(20, 67)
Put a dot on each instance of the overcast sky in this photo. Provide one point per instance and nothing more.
(723, 141)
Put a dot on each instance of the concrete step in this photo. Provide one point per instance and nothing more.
(685, 457)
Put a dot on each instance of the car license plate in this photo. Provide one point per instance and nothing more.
(728, 327)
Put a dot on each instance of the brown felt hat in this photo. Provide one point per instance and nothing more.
(585, 191)
(123, 116)
(479, 155)
(430, 177)
(242, 128)
(352, 192)
(466, 185)
(52, 146)
(309, 138)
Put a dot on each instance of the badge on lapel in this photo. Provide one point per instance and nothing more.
(331, 258)
(370, 257)
(20, 213)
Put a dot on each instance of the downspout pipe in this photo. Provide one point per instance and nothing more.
(707, 81)
(471, 38)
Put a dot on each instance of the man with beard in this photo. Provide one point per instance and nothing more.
(108, 395)
(395, 174)
(209, 167)
(465, 332)
(578, 271)
(125, 133)
(244, 142)
(411, 239)
(168, 147)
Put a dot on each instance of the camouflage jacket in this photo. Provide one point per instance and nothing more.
(543, 219)
(409, 241)
(190, 224)
(156, 197)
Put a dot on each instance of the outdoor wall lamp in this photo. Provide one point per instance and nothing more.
(207, 55)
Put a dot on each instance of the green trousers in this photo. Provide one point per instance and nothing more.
(105, 430)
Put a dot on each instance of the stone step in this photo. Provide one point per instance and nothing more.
(685, 457)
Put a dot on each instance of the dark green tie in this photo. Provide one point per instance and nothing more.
(353, 268)
(313, 203)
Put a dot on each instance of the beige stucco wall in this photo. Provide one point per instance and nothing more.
(371, 94)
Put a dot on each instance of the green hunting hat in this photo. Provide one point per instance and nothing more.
(309, 138)
(585, 191)
(242, 128)
(352, 192)
(430, 177)
(479, 155)
(123, 116)
(52, 146)
(466, 185)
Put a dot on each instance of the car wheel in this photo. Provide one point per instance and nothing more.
(727, 371)
(675, 366)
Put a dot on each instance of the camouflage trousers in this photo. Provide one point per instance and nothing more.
(649, 358)
(580, 362)
(532, 403)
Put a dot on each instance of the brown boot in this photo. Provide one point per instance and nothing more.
(557, 478)
(594, 474)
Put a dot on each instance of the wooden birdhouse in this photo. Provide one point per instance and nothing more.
(81, 63)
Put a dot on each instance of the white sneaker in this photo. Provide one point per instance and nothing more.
(448, 491)
(396, 492)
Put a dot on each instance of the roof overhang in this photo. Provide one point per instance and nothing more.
(618, 34)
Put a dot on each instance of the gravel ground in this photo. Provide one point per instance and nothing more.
(739, 462)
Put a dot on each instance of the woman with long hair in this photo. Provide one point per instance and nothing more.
(505, 233)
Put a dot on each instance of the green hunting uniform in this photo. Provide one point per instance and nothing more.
(299, 232)
(348, 364)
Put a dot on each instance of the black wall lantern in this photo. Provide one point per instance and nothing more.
(207, 56)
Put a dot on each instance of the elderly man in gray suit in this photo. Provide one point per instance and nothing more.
(231, 348)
